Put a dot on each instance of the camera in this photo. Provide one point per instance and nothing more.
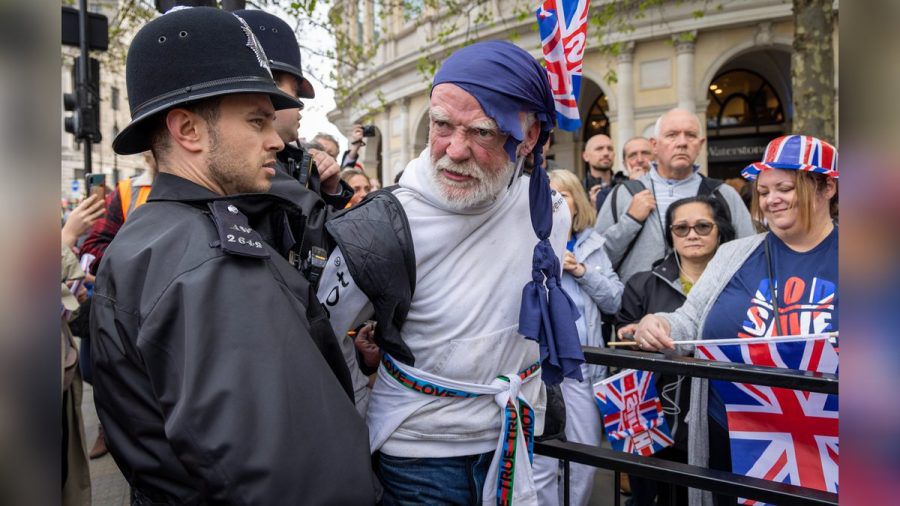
(368, 130)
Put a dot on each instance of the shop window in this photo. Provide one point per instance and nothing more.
(597, 122)
(742, 98)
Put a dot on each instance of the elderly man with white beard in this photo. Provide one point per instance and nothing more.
(440, 262)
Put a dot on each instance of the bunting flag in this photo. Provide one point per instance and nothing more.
(563, 27)
(788, 436)
(632, 413)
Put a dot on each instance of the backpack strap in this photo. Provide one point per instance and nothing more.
(711, 186)
(633, 186)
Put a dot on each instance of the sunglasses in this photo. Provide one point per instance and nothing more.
(701, 227)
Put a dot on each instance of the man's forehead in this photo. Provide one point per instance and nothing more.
(637, 145)
(452, 101)
(680, 121)
(599, 140)
(462, 117)
(248, 102)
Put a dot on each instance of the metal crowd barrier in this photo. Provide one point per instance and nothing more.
(675, 473)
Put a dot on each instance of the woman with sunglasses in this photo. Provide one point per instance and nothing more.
(794, 193)
(696, 226)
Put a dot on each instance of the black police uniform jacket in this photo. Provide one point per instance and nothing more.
(211, 381)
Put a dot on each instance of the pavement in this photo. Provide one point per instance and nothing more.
(109, 488)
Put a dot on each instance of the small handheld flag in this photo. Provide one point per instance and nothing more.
(632, 413)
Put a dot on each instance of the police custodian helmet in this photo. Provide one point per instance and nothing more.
(187, 55)
(280, 44)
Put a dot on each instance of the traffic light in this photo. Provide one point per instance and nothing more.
(73, 122)
(84, 102)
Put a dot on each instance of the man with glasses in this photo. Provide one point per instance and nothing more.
(631, 219)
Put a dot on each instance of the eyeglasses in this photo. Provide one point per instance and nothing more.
(701, 227)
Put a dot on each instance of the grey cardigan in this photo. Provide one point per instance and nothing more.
(687, 323)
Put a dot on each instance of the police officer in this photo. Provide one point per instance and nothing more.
(278, 41)
(214, 379)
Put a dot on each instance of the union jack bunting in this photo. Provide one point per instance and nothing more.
(632, 413)
(778, 434)
(563, 27)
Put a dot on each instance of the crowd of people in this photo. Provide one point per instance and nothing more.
(258, 332)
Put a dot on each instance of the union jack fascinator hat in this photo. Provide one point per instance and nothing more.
(796, 152)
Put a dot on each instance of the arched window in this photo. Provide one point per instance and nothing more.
(597, 122)
(741, 98)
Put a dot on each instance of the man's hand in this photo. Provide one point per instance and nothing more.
(652, 334)
(329, 171)
(592, 194)
(642, 205)
(356, 138)
(365, 344)
(82, 218)
(571, 265)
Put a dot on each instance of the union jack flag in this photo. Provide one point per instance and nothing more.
(563, 27)
(632, 414)
(778, 434)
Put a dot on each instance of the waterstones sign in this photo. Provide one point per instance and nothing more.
(738, 149)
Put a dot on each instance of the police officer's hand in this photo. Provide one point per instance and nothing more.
(329, 171)
(642, 205)
(82, 218)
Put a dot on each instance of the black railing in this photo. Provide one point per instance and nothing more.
(686, 475)
(699, 368)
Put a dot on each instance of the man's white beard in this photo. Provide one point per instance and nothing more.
(485, 185)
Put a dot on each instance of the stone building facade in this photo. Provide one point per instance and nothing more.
(114, 115)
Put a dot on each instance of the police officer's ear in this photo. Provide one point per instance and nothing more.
(187, 129)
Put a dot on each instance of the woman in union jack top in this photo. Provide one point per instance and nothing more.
(783, 282)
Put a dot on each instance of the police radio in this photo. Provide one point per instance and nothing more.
(302, 166)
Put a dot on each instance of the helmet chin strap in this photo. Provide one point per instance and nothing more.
(520, 167)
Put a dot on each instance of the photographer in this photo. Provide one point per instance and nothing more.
(351, 156)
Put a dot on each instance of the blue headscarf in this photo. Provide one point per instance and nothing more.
(506, 80)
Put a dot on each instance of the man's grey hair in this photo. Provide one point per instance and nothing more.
(658, 126)
(527, 121)
(327, 137)
(636, 137)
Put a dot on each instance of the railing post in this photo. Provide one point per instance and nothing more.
(566, 470)
(617, 477)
